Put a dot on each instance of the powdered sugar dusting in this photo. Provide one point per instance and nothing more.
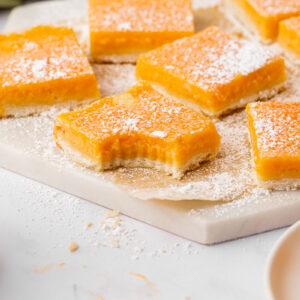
(140, 114)
(36, 70)
(276, 7)
(236, 59)
(131, 124)
(124, 26)
(157, 133)
(137, 16)
(32, 57)
(277, 128)
(211, 58)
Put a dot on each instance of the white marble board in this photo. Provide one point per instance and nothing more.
(27, 148)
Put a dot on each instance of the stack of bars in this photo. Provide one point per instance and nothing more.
(185, 82)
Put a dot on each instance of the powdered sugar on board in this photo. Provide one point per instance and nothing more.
(216, 180)
(228, 177)
(114, 79)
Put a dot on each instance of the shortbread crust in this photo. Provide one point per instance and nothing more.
(21, 111)
(284, 184)
(176, 172)
(116, 58)
(261, 96)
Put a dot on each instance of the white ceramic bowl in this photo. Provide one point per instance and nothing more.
(282, 277)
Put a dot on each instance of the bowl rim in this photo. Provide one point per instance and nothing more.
(271, 257)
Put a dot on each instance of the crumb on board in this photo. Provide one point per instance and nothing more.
(84, 266)
(116, 222)
(112, 213)
(62, 264)
(73, 247)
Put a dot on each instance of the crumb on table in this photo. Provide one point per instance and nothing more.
(89, 224)
(73, 247)
(115, 243)
(112, 213)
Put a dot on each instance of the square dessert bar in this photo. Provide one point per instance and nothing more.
(121, 30)
(275, 138)
(265, 15)
(41, 67)
(139, 128)
(213, 72)
(289, 35)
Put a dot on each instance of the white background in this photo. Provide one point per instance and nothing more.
(37, 225)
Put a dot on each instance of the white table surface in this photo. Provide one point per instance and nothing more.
(38, 223)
